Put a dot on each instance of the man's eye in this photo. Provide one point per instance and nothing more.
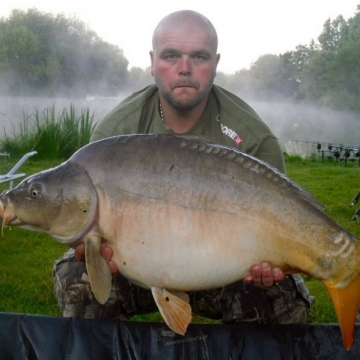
(200, 59)
(170, 57)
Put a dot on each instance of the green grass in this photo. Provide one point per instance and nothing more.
(26, 257)
(26, 260)
(25, 272)
(334, 184)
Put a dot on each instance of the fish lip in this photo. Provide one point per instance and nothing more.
(8, 214)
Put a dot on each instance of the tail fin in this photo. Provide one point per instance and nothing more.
(346, 302)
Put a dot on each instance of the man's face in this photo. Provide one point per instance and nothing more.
(183, 63)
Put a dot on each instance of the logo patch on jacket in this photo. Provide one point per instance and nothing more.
(231, 134)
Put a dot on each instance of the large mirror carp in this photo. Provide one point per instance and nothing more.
(182, 214)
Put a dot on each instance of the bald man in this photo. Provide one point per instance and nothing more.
(184, 100)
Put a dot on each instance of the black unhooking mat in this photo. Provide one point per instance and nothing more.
(51, 338)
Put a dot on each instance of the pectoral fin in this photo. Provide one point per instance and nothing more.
(174, 308)
(98, 269)
(346, 302)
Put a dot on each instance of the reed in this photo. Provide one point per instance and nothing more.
(52, 135)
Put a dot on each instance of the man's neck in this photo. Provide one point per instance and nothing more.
(181, 121)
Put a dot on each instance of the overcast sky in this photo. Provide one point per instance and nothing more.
(247, 29)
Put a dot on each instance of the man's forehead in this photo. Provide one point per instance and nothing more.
(184, 39)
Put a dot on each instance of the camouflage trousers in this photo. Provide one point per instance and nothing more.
(285, 302)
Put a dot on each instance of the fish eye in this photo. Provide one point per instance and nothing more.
(35, 191)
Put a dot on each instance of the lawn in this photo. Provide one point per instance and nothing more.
(26, 257)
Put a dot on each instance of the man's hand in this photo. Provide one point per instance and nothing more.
(106, 253)
(264, 275)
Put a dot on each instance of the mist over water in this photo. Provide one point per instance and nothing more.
(307, 123)
(14, 110)
(288, 121)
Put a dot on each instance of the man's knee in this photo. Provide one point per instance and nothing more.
(72, 287)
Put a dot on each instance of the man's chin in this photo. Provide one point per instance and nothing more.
(184, 104)
(185, 96)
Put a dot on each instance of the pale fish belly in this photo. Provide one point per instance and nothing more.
(182, 248)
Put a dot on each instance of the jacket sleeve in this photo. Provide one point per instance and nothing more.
(270, 152)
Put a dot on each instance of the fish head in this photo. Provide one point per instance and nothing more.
(61, 202)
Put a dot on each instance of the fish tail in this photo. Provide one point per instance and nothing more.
(346, 303)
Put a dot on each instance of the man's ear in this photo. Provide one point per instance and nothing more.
(152, 61)
(217, 59)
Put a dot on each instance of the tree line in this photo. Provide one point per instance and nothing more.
(45, 54)
(41, 53)
(326, 73)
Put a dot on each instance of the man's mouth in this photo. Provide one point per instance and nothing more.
(185, 85)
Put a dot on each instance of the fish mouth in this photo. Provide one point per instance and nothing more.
(9, 217)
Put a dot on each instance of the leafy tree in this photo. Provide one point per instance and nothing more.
(270, 77)
(294, 63)
(19, 53)
(40, 53)
(332, 31)
(319, 76)
(106, 56)
(240, 82)
(331, 76)
(347, 64)
(139, 78)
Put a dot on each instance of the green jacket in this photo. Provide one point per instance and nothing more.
(227, 120)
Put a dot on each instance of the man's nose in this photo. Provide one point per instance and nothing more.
(185, 66)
